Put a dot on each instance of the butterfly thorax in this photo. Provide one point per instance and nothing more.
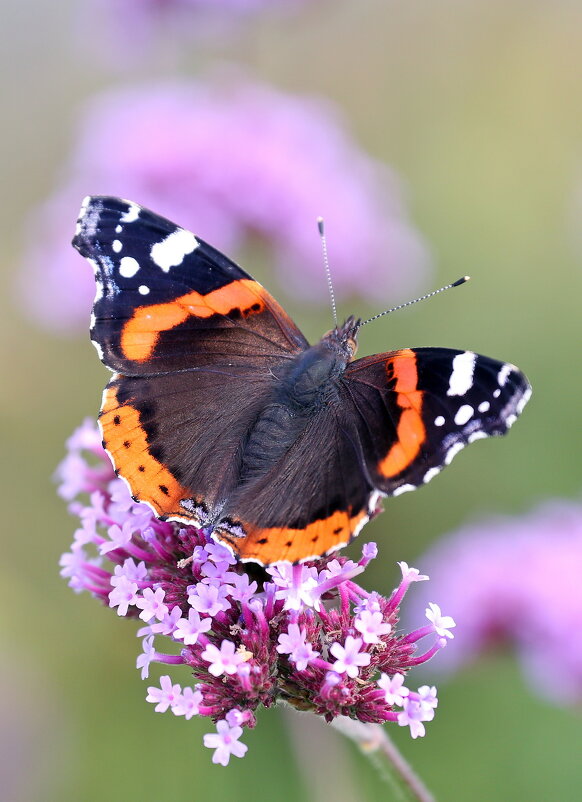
(314, 373)
(311, 378)
(310, 383)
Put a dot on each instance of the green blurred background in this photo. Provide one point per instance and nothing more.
(478, 106)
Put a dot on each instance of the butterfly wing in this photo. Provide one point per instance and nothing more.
(417, 408)
(167, 301)
(195, 344)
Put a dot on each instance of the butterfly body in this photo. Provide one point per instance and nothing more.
(220, 414)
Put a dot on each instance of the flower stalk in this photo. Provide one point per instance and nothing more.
(374, 742)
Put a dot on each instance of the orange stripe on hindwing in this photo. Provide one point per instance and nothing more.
(410, 430)
(280, 543)
(141, 332)
(126, 440)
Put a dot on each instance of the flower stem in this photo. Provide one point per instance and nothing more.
(373, 742)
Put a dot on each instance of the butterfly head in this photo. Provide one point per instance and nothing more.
(344, 338)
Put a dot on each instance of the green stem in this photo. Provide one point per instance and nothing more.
(375, 743)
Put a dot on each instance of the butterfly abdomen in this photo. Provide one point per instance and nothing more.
(273, 434)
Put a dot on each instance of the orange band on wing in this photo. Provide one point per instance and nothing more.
(126, 440)
(268, 546)
(141, 332)
(410, 431)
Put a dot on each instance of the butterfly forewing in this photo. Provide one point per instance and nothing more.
(168, 301)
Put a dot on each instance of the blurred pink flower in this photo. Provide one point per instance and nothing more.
(516, 581)
(228, 160)
(129, 30)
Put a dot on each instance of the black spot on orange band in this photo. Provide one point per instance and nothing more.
(141, 332)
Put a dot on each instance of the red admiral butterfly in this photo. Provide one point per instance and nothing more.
(221, 415)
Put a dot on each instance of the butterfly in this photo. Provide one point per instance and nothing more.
(221, 415)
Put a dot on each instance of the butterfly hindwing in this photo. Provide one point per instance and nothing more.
(176, 437)
(418, 407)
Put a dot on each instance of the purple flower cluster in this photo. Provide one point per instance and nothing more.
(306, 635)
(228, 159)
(517, 581)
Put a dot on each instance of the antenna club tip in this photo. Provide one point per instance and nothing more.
(320, 225)
(460, 281)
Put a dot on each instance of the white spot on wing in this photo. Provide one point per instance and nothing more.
(403, 489)
(373, 501)
(82, 213)
(523, 401)
(131, 215)
(461, 379)
(143, 290)
(484, 406)
(452, 452)
(359, 526)
(439, 420)
(464, 413)
(116, 245)
(128, 266)
(503, 374)
(496, 393)
(478, 435)
(430, 474)
(99, 350)
(171, 251)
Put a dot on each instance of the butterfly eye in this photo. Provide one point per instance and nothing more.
(352, 345)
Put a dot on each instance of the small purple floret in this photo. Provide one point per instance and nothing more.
(225, 742)
(349, 658)
(164, 697)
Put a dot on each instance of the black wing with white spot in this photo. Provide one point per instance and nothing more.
(418, 407)
(196, 345)
(168, 301)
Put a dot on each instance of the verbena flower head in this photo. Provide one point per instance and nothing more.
(226, 159)
(517, 582)
(306, 635)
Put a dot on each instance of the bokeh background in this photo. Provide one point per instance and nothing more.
(477, 108)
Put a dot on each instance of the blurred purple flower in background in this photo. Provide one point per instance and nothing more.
(228, 159)
(306, 635)
(128, 30)
(518, 582)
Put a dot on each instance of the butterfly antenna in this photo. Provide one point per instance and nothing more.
(327, 270)
(456, 283)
